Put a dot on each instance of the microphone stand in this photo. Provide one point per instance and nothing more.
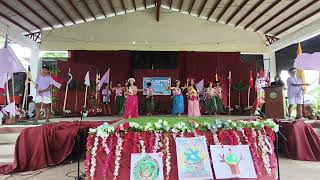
(264, 115)
(78, 139)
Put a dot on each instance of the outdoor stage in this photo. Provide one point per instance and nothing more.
(51, 144)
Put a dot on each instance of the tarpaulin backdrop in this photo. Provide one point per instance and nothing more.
(197, 65)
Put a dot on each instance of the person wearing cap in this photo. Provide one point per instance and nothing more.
(131, 105)
(295, 96)
(43, 98)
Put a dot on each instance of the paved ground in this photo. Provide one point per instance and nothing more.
(290, 170)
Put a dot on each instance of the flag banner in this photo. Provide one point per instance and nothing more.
(200, 85)
(9, 61)
(87, 79)
(11, 108)
(56, 81)
(105, 79)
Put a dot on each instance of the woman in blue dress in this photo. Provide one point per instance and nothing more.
(178, 102)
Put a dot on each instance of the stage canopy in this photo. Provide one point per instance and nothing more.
(200, 25)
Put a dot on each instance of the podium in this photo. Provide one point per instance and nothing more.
(274, 102)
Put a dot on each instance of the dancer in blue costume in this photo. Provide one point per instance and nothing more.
(178, 102)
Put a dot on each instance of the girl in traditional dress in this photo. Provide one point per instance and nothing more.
(131, 106)
(178, 102)
(218, 97)
(119, 98)
(210, 100)
(193, 102)
(149, 99)
(106, 96)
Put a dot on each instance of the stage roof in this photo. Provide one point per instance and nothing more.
(276, 18)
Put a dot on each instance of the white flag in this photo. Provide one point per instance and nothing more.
(87, 79)
(200, 85)
(105, 79)
(11, 108)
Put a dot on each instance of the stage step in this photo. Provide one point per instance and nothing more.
(8, 138)
(6, 159)
(6, 149)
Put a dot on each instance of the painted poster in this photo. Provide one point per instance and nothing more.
(232, 161)
(146, 166)
(159, 85)
(193, 159)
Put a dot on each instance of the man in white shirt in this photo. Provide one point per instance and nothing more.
(295, 95)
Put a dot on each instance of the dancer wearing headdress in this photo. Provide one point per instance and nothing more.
(193, 102)
(131, 106)
(177, 99)
(119, 98)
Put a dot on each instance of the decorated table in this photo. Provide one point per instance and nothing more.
(113, 151)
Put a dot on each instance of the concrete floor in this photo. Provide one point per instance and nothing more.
(290, 170)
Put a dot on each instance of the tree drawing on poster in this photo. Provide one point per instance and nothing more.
(146, 166)
(232, 161)
(193, 159)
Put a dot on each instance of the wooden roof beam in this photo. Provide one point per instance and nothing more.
(202, 7)
(213, 9)
(249, 12)
(100, 8)
(35, 13)
(21, 15)
(50, 12)
(145, 4)
(134, 4)
(89, 9)
(77, 11)
(277, 14)
(14, 22)
(158, 5)
(63, 11)
(123, 6)
(237, 11)
(298, 22)
(180, 5)
(292, 15)
(226, 7)
(112, 7)
(262, 13)
(191, 6)
(170, 4)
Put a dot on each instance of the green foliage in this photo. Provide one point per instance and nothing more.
(231, 158)
(240, 86)
(316, 105)
(54, 54)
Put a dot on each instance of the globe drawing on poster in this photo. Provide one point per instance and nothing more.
(159, 85)
(146, 166)
(193, 158)
(232, 161)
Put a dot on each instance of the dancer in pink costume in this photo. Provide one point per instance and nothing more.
(193, 102)
(131, 105)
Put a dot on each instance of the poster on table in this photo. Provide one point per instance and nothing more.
(159, 85)
(148, 166)
(193, 158)
(232, 161)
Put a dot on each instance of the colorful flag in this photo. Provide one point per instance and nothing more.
(57, 82)
(105, 79)
(251, 82)
(87, 79)
(200, 85)
(300, 72)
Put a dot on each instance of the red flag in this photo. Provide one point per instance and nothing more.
(57, 81)
(251, 82)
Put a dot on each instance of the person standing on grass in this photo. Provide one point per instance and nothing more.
(177, 99)
(295, 96)
(43, 99)
(210, 101)
(106, 93)
(193, 102)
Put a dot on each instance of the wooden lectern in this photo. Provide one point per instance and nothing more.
(274, 102)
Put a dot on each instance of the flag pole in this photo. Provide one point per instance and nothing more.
(26, 83)
(249, 97)
(66, 94)
(85, 97)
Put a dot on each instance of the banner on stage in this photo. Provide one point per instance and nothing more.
(146, 166)
(232, 161)
(193, 158)
(159, 85)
